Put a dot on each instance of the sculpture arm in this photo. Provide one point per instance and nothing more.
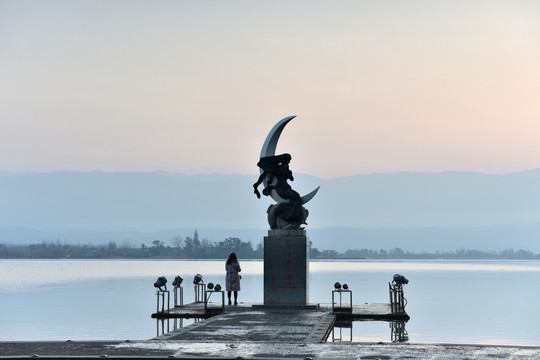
(256, 185)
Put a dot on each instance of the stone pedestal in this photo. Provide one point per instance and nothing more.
(286, 268)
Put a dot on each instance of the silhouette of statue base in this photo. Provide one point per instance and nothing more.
(277, 222)
(286, 268)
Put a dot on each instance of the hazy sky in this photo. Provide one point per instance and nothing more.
(195, 86)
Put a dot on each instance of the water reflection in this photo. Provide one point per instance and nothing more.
(164, 326)
(343, 331)
(162, 322)
(64, 286)
(398, 332)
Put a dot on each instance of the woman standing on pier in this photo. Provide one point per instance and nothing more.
(232, 280)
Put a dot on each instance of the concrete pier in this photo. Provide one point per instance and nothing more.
(270, 324)
(252, 324)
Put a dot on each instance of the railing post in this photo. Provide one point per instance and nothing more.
(200, 290)
(178, 296)
(397, 300)
(162, 294)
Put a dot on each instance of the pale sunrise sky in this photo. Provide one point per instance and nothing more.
(195, 86)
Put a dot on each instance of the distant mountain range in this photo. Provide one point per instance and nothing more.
(413, 211)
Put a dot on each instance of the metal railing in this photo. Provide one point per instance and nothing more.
(207, 295)
(178, 296)
(161, 294)
(343, 307)
(200, 290)
(397, 300)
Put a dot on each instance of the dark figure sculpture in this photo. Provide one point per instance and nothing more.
(288, 213)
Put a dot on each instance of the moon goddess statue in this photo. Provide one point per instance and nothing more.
(288, 212)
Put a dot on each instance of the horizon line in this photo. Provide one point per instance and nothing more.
(255, 174)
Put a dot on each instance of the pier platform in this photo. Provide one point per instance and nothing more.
(246, 323)
(256, 322)
(370, 311)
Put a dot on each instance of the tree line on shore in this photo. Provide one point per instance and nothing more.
(195, 248)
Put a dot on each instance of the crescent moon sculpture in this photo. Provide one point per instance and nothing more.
(274, 172)
(269, 149)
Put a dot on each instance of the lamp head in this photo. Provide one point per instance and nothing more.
(160, 282)
(177, 281)
(400, 279)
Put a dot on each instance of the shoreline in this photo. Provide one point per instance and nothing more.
(158, 349)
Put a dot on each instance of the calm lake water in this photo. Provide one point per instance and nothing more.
(483, 302)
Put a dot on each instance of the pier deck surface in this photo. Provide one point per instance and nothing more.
(374, 311)
(259, 324)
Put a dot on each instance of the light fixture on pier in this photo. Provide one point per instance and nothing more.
(197, 279)
(337, 286)
(217, 287)
(400, 279)
(177, 281)
(160, 282)
(210, 286)
(345, 287)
